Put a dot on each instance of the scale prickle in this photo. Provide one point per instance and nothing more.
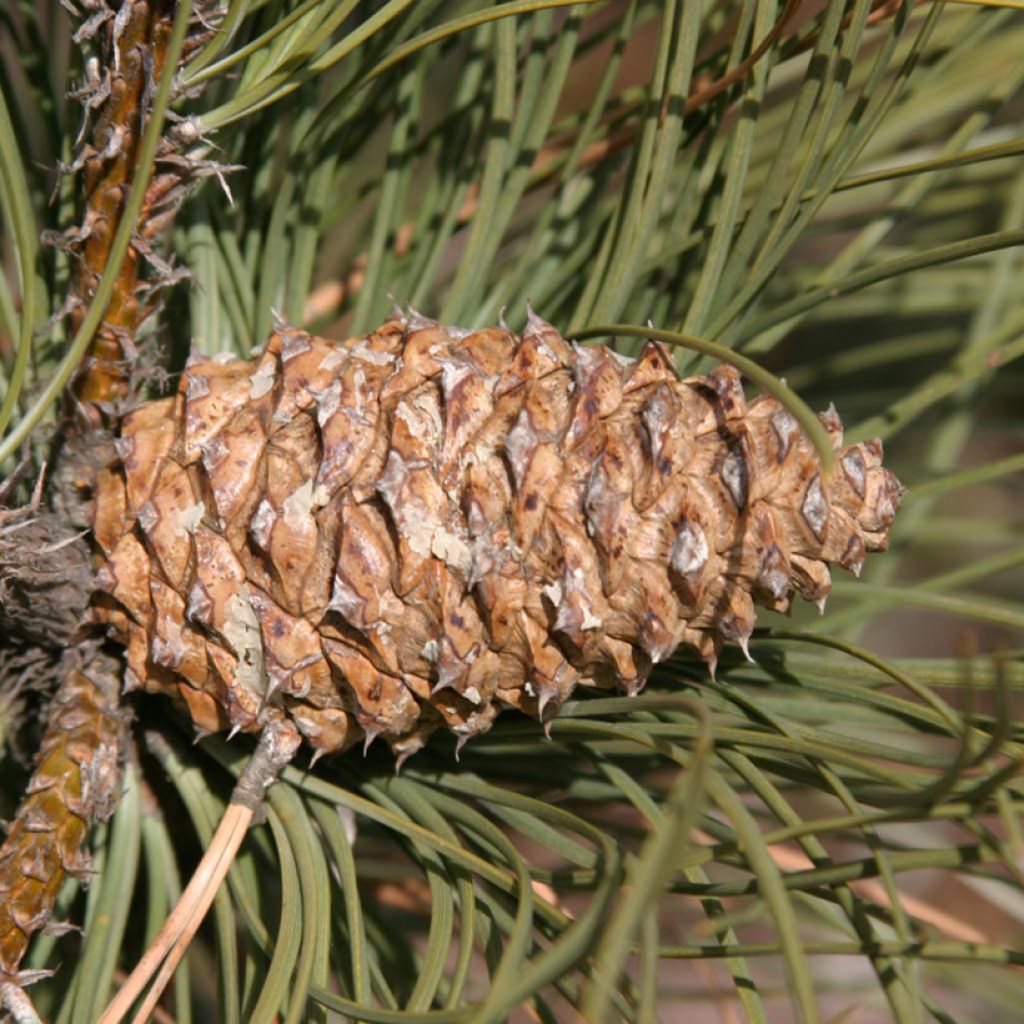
(421, 527)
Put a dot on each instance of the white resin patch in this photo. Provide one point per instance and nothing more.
(452, 375)
(262, 381)
(242, 631)
(199, 604)
(452, 550)
(419, 534)
(734, 476)
(657, 418)
(147, 516)
(294, 345)
(213, 451)
(262, 523)
(191, 517)
(856, 471)
(169, 651)
(689, 550)
(368, 355)
(815, 508)
(335, 358)
(327, 402)
(786, 428)
(390, 483)
(346, 602)
(428, 405)
(576, 583)
(299, 505)
(773, 576)
(519, 445)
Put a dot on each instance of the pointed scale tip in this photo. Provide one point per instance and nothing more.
(397, 313)
(534, 323)
(443, 684)
(404, 751)
(546, 694)
(417, 321)
(25, 978)
(744, 643)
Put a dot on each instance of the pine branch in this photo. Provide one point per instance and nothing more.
(75, 785)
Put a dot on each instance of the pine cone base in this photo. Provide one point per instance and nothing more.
(418, 528)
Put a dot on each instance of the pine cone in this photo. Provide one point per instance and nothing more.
(420, 527)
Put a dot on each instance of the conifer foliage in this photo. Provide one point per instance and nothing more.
(240, 471)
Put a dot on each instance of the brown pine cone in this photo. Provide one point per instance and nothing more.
(421, 527)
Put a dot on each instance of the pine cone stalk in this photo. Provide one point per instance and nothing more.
(420, 527)
(75, 785)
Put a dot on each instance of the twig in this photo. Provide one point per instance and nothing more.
(15, 1000)
(158, 1014)
(277, 746)
(75, 784)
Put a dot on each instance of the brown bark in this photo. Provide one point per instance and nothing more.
(75, 784)
(135, 43)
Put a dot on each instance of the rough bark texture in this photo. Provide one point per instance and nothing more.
(129, 41)
(417, 528)
(75, 784)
